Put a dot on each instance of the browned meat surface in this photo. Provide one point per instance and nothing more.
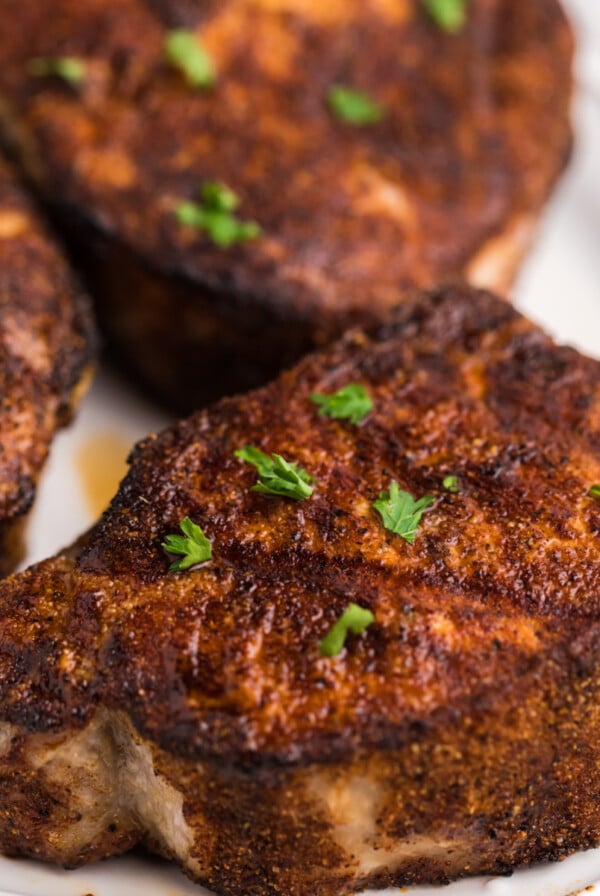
(193, 711)
(45, 354)
(451, 180)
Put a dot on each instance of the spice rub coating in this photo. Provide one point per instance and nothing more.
(450, 180)
(45, 352)
(456, 735)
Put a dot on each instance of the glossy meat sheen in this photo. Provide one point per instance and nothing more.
(452, 180)
(193, 711)
(45, 354)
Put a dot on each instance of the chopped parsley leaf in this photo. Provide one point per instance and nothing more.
(355, 619)
(354, 106)
(449, 15)
(400, 512)
(351, 402)
(184, 51)
(193, 546)
(218, 197)
(214, 216)
(277, 476)
(594, 491)
(450, 483)
(69, 68)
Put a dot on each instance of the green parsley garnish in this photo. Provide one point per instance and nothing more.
(69, 68)
(223, 228)
(354, 106)
(355, 619)
(594, 491)
(450, 483)
(218, 197)
(449, 15)
(193, 546)
(214, 216)
(351, 402)
(400, 512)
(277, 476)
(184, 50)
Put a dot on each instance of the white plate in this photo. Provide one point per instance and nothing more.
(560, 287)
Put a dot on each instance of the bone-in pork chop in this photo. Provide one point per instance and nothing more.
(368, 148)
(381, 667)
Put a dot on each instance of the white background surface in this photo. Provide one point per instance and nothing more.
(559, 287)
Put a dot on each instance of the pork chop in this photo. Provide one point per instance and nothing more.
(440, 165)
(209, 712)
(45, 355)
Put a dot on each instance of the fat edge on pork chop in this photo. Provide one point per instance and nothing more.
(441, 166)
(46, 349)
(195, 712)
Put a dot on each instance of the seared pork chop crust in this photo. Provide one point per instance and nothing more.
(451, 180)
(45, 352)
(194, 712)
